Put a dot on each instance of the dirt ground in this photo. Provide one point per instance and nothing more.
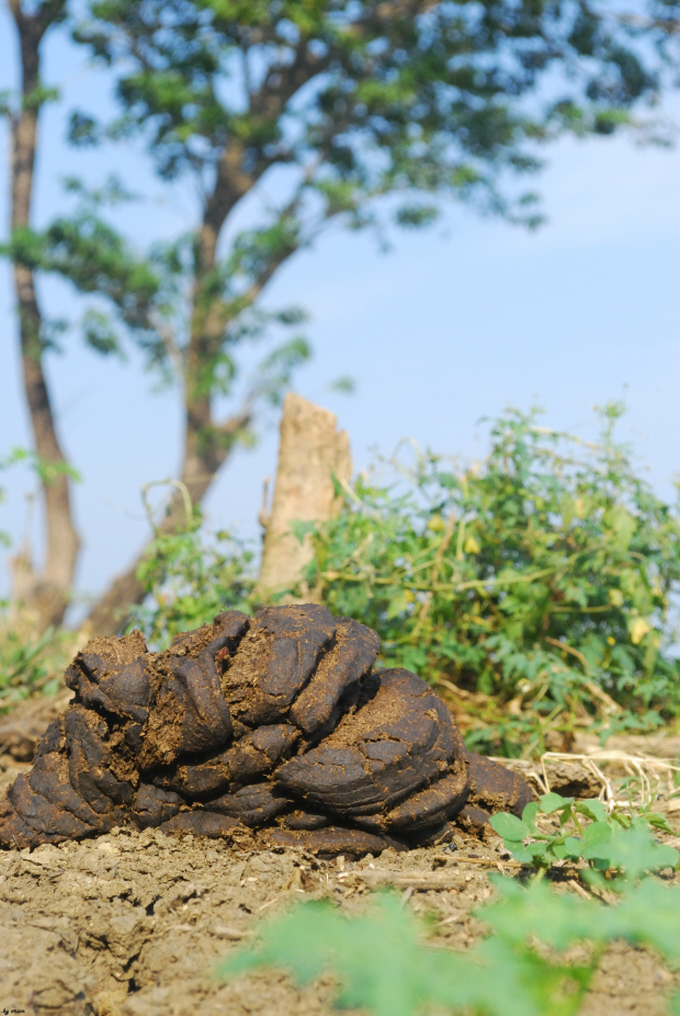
(132, 924)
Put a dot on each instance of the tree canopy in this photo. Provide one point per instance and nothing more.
(310, 112)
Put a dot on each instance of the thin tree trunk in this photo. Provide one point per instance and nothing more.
(45, 593)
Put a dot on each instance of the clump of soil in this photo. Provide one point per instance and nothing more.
(279, 723)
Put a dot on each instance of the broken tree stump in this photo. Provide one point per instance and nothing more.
(312, 451)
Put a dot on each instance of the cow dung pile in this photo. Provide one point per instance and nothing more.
(280, 722)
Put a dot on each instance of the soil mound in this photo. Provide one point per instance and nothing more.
(280, 723)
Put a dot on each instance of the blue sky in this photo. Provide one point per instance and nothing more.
(452, 325)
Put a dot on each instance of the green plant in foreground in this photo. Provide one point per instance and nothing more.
(384, 963)
(607, 841)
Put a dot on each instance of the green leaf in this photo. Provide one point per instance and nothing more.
(635, 851)
(646, 915)
(346, 385)
(554, 802)
(529, 814)
(538, 851)
(658, 821)
(597, 833)
(99, 333)
(593, 809)
(519, 852)
(509, 826)
(571, 847)
(301, 530)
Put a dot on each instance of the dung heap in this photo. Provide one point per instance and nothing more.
(279, 722)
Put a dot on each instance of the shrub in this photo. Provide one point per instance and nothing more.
(543, 578)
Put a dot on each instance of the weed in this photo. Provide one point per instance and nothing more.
(31, 664)
(585, 831)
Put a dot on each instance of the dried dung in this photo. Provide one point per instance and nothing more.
(280, 724)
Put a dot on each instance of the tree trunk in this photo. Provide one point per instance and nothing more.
(207, 444)
(312, 451)
(44, 593)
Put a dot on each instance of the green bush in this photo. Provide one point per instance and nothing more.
(543, 578)
(541, 582)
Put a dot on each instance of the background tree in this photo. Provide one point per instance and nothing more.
(46, 589)
(338, 105)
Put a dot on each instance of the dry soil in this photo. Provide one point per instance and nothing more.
(132, 924)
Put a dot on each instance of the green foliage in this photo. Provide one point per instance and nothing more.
(188, 580)
(304, 114)
(608, 842)
(344, 384)
(383, 963)
(544, 578)
(365, 99)
(342, 105)
(31, 664)
(644, 914)
(141, 295)
(46, 471)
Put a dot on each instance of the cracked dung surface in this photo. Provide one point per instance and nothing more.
(280, 723)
